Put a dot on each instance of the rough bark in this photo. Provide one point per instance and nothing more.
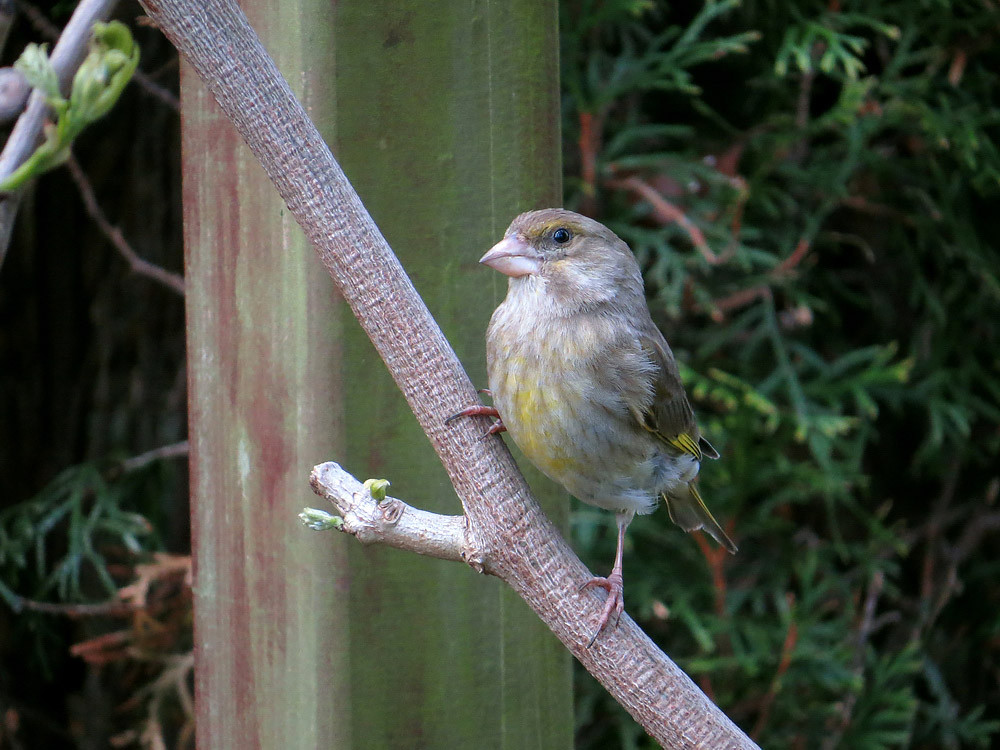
(503, 519)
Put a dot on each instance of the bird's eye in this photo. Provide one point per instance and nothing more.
(561, 236)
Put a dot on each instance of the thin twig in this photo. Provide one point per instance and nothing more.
(174, 450)
(104, 648)
(935, 526)
(157, 91)
(744, 297)
(393, 522)
(865, 629)
(972, 535)
(789, 263)
(668, 213)
(7, 16)
(41, 23)
(172, 682)
(146, 574)
(798, 151)
(137, 264)
(784, 661)
(737, 300)
(974, 532)
(863, 205)
(112, 607)
(736, 225)
(716, 558)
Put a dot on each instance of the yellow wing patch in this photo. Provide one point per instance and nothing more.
(686, 444)
(683, 442)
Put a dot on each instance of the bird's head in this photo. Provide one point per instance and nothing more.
(581, 262)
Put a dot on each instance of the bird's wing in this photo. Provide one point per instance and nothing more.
(671, 419)
(670, 416)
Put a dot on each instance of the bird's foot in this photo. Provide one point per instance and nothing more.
(614, 604)
(481, 411)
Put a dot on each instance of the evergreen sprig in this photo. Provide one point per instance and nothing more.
(808, 189)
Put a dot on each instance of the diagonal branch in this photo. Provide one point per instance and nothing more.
(503, 521)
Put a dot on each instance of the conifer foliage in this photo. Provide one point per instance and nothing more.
(808, 187)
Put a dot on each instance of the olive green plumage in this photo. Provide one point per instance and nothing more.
(585, 383)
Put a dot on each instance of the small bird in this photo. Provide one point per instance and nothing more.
(585, 383)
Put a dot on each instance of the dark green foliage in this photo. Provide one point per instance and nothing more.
(54, 544)
(811, 190)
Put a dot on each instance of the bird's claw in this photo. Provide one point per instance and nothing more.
(495, 429)
(481, 411)
(614, 604)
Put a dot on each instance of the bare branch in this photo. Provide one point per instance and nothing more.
(139, 265)
(392, 521)
(503, 521)
(173, 450)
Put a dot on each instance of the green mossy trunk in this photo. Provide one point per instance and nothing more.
(445, 118)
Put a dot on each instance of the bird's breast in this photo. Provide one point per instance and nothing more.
(539, 405)
(552, 386)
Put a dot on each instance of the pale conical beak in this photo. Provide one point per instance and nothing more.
(513, 257)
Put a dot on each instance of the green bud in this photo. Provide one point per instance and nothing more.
(376, 487)
(320, 520)
(103, 74)
(98, 83)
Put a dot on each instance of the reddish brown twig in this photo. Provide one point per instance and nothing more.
(667, 213)
(716, 557)
(862, 204)
(738, 300)
(744, 297)
(736, 225)
(103, 649)
(787, 649)
(163, 565)
(789, 263)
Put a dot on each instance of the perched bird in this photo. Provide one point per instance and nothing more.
(585, 383)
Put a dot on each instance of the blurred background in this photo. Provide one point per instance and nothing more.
(811, 189)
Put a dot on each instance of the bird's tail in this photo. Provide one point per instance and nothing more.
(688, 511)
